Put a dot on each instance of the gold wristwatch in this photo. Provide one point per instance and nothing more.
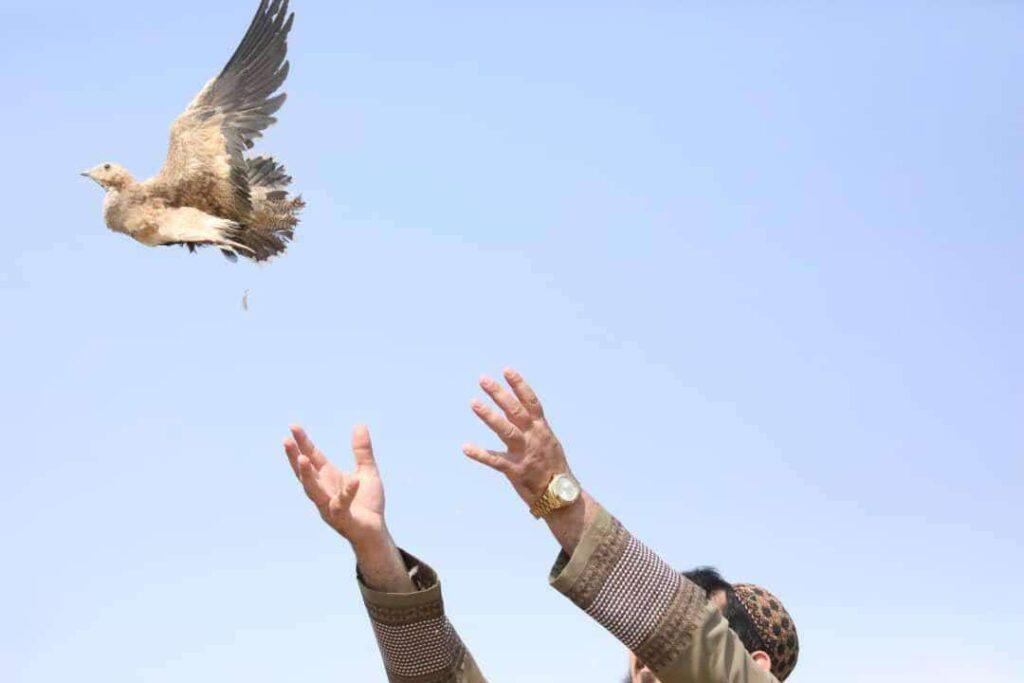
(563, 490)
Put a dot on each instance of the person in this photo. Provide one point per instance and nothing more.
(678, 627)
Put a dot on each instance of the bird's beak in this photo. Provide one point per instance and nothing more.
(85, 174)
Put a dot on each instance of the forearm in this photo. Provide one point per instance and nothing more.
(381, 566)
(568, 524)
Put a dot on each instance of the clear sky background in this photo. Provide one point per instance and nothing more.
(764, 265)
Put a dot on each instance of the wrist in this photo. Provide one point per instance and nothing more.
(568, 524)
(562, 490)
(373, 544)
(380, 564)
(531, 486)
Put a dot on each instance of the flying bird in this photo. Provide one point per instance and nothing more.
(210, 192)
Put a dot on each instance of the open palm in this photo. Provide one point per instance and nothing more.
(352, 503)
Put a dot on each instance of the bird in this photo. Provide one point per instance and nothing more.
(211, 191)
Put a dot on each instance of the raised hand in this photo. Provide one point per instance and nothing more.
(351, 503)
(533, 456)
(533, 453)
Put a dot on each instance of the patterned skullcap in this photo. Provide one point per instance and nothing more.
(773, 624)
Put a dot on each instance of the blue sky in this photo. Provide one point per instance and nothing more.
(763, 265)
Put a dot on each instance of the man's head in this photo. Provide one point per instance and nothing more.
(756, 617)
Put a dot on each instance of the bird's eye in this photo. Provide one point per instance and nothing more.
(106, 167)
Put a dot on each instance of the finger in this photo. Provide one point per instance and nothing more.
(493, 459)
(346, 494)
(308, 448)
(507, 402)
(524, 393)
(506, 431)
(291, 449)
(362, 448)
(307, 475)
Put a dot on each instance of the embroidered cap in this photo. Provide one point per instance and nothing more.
(773, 624)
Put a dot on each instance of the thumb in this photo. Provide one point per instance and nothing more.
(362, 447)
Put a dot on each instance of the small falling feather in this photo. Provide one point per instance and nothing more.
(245, 301)
(211, 191)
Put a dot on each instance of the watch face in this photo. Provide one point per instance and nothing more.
(566, 489)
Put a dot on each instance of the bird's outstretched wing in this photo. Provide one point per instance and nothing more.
(205, 167)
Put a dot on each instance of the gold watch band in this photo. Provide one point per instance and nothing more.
(544, 505)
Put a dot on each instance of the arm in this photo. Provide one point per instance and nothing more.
(661, 616)
(402, 595)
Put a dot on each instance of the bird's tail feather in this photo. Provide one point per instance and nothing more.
(275, 213)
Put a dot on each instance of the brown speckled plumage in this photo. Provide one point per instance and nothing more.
(209, 192)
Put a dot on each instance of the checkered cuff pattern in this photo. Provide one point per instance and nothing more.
(632, 592)
(419, 649)
(417, 642)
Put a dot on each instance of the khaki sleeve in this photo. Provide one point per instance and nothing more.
(417, 642)
(656, 612)
(716, 654)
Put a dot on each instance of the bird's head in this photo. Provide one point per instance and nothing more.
(110, 176)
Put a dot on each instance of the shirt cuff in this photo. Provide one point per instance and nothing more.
(417, 642)
(652, 609)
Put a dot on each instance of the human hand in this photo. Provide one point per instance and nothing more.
(534, 454)
(351, 503)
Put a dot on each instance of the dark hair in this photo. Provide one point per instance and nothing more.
(735, 613)
(709, 579)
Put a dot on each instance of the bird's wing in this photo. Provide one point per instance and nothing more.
(205, 167)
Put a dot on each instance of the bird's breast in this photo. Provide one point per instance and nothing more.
(136, 214)
(113, 211)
